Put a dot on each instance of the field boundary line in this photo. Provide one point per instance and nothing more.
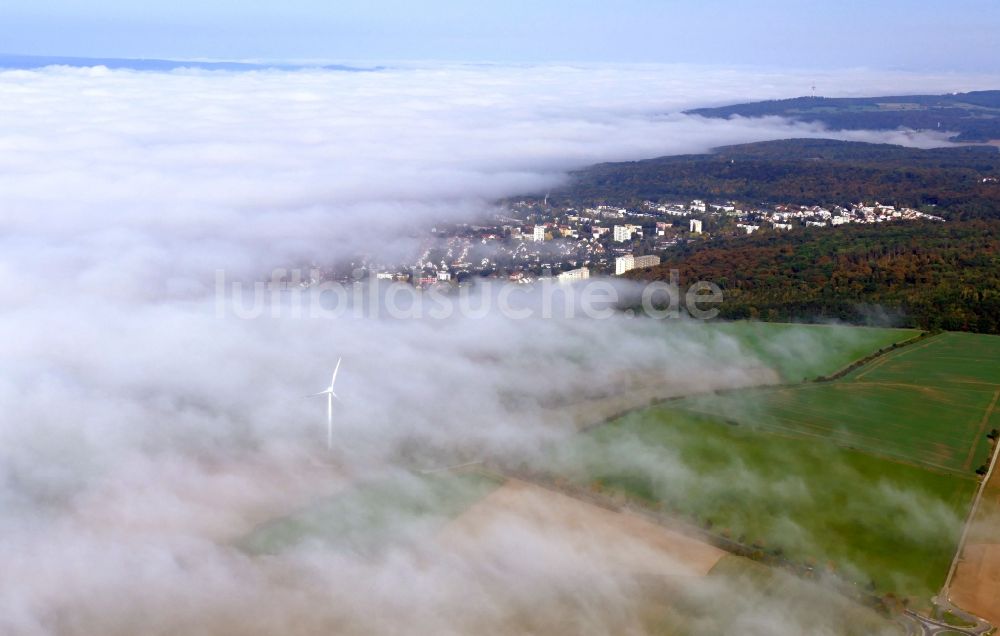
(779, 386)
(983, 423)
(881, 357)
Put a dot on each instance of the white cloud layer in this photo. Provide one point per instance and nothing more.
(141, 432)
(121, 183)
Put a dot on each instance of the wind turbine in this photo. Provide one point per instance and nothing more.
(330, 395)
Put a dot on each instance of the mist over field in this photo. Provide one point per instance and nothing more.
(143, 434)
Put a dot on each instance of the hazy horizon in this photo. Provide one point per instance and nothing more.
(894, 35)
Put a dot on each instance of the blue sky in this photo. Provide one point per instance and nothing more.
(900, 34)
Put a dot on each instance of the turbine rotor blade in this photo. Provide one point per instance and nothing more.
(333, 380)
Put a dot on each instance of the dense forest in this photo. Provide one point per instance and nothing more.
(963, 181)
(927, 274)
(971, 117)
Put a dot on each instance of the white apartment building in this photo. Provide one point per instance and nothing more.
(695, 226)
(572, 275)
(539, 234)
(646, 261)
(629, 262)
(623, 233)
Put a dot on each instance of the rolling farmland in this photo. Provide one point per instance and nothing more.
(872, 520)
(928, 404)
(869, 475)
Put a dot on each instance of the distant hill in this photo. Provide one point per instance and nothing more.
(41, 61)
(972, 117)
(804, 171)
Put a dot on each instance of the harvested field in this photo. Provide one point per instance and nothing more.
(976, 584)
(619, 542)
(977, 581)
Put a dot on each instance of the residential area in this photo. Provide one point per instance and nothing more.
(528, 239)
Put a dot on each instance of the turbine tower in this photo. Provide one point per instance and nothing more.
(330, 395)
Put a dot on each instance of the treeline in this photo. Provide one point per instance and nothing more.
(929, 275)
(805, 172)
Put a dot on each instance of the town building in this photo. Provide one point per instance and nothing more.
(623, 264)
(646, 261)
(573, 275)
(630, 262)
(623, 233)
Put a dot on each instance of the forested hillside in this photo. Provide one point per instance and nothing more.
(930, 275)
(963, 181)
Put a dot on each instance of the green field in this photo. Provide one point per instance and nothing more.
(871, 520)
(373, 514)
(800, 352)
(948, 359)
(929, 403)
(869, 475)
